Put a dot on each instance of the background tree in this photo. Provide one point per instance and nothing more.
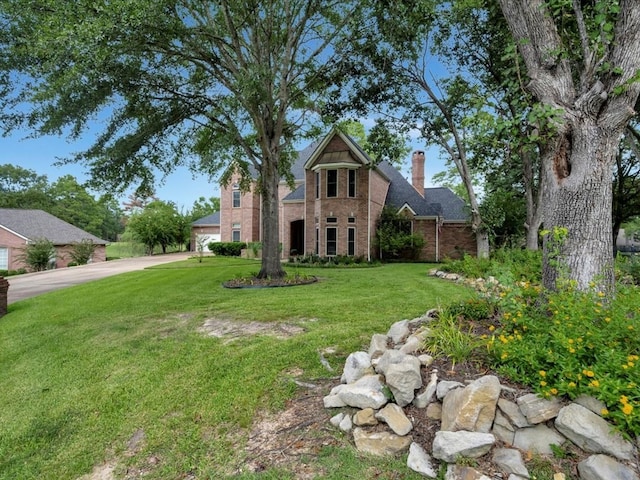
(209, 84)
(23, 188)
(626, 181)
(158, 224)
(582, 61)
(203, 207)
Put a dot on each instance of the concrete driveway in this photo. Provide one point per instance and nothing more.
(32, 284)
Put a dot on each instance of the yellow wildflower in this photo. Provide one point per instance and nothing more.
(604, 412)
(594, 383)
(627, 409)
(542, 373)
(572, 350)
(543, 383)
(624, 399)
(554, 391)
(570, 340)
(572, 385)
(607, 319)
(491, 328)
(504, 355)
(588, 373)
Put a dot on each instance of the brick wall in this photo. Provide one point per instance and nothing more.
(247, 215)
(14, 244)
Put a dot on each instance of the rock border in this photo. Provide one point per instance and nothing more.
(476, 420)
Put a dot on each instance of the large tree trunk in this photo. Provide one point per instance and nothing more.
(271, 266)
(533, 197)
(578, 215)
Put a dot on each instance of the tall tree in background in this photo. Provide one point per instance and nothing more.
(583, 65)
(209, 84)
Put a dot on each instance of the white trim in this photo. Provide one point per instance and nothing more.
(335, 166)
(337, 184)
(369, 218)
(326, 242)
(406, 206)
(355, 183)
(14, 233)
(355, 241)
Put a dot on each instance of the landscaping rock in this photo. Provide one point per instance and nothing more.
(448, 446)
(593, 404)
(425, 360)
(420, 461)
(378, 345)
(603, 467)
(513, 413)
(413, 344)
(380, 443)
(357, 365)
(460, 472)
(591, 432)
(510, 461)
(423, 399)
(365, 418)
(365, 393)
(502, 429)
(402, 375)
(399, 331)
(345, 424)
(445, 386)
(395, 418)
(537, 409)
(434, 411)
(537, 439)
(472, 408)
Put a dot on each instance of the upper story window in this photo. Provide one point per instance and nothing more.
(332, 183)
(317, 185)
(236, 199)
(352, 183)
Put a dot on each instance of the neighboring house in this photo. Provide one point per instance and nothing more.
(19, 227)
(204, 231)
(337, 199)
(627, 243)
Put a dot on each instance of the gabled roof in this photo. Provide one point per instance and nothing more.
(402, 193)
(296, 195)
(37, 224)
(452, 206)
(213, 219)
(358, 153)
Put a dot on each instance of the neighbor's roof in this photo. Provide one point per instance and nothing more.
(38, 224)
(213, 219)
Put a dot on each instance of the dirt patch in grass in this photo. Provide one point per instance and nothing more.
(293, 438)
(231, 330)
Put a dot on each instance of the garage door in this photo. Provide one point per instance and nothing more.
(4, 258)
(206, 238)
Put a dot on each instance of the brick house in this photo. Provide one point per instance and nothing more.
(18, 227)
(337, 199)
(205, 230)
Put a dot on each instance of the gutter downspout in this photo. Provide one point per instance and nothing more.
(437, 239)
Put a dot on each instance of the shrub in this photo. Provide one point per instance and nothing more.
(313, 260)
(473, 309)
(571, 344)
(82, 253)
(227, 249)
(506, 264)
(38, 255)
(629, 266)
(448, 337)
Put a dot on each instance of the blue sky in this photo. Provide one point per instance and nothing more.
(181, 187)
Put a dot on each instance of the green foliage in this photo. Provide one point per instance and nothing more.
(227, 249)
(394, 237)
(10, 273)
(38, 255)
(81, 253)
(203, 207)
(473, 309)
(505, 264)
(159, 223)
(448, 337)
(629, 267)
(313, 260)
(574, 343)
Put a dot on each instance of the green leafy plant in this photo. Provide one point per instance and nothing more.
(82, 252)
(448, 337)
(38, 255)
(573, 343)
(227, 249)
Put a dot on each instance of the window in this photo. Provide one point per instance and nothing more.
(317, 241)
(332, 183)
(332, 220)
(351, 219)
(351, 241)
(236, 199)
(4, 258)
(317, 184)
(235, 235)
(352, 183)
(332, 234)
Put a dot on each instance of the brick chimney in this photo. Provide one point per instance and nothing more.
(417, 171)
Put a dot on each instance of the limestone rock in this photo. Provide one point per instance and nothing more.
(425, 360)
(365, 418)
(537, 409)
(513, 413)
(364, 393)
(472, 408)
(333, 401)
(591, 403)
(420, 461)
(537, 439)
(434, 411)
(413, 344)
(399, 331)
(394, 416)
(345, 424)
(510, 461)
(380, 443)
(357, 365)
(423, 399)
(445, 386)
(603, 467)
(336, 419)
(448, 446)
(378, 345)
(502, 429)
(402, 375)
(591, 432)
(460, 472)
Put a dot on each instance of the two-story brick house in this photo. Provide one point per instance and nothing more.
(337, 199)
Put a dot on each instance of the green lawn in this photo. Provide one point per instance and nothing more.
(84, 368)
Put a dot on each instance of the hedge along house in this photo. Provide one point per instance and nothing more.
(337, 198)
(19, 227)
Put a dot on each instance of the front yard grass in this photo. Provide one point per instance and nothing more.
(85, 368)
